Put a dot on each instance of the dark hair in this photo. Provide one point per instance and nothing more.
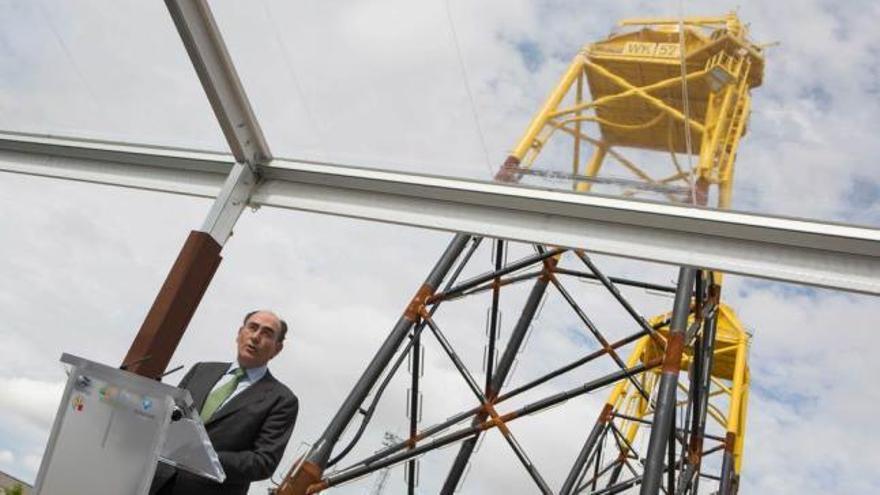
(281, 334)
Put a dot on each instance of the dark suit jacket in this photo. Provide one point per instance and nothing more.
(249, 434)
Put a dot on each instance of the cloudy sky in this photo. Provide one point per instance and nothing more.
(380, 84)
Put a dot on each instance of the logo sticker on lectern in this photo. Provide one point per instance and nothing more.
(78, 402)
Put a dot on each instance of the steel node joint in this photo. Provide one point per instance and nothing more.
(304, 480)
(549, 271)
(498, 420)
(416, 306)
(240, 185)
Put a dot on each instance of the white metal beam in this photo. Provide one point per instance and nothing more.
(817, 253)
(213, 64)
(172, 170)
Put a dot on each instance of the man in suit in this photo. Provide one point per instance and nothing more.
(248, 414)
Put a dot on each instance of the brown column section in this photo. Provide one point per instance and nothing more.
(174, 306)
(509, 171)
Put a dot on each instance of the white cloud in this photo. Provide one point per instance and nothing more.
(33, 400)
(6, 457)
(32, 462)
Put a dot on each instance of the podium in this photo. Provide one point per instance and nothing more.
(111, 429)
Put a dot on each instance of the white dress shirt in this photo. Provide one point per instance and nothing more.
(251, 376)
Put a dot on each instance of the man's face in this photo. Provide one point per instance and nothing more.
(258, 340)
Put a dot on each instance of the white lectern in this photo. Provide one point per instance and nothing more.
(113, 426)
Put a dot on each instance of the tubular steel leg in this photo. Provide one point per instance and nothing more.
(662, 425)
(412, 465)
(598, 462)
(311, 470)
(493, 322)
(727, 466)
(576, 472)
(500, 375)
(670, 460)
(698, 431)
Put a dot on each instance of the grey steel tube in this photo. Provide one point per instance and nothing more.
(534, 407)
(598, 335)
(310, 471)
(498, 378)
(662, 425)
(472, 383)
(576, 472)
(412, 465)
(707, 354)
(616, 293)
(726, 487)
(493, 321)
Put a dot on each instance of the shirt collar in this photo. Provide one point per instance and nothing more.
(253, 374)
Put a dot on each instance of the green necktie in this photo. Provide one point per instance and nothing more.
(219, 396)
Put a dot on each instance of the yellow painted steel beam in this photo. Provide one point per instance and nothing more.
(648, 21)
(549, 106)
(592, 168)
(653, 100)
(739, 445)
(604, 100)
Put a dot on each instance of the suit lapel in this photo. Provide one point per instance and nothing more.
(251, 395)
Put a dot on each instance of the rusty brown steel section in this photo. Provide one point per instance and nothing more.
(417, 304)
(309, 475)
(728, 481)
(707, 341)
(177, 301)
(508, 170)
(674, 353)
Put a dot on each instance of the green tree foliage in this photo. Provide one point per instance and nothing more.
(16, 489)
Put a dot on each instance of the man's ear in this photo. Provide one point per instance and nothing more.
(278, 346)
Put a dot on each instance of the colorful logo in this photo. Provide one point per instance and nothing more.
(78, 402)
(147, 404)
(108, 394)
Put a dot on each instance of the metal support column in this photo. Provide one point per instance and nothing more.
(704, 354)
(310, 471)
(663, 414)
(199, 258)
(727, 474)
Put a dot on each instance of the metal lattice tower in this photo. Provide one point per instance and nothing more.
(660, 88)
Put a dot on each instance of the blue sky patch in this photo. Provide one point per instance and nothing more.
(787, 291)
(862, 193)
(531, 55)
(819, 96)
(578, 336)
(860, 202)
(802, 404)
